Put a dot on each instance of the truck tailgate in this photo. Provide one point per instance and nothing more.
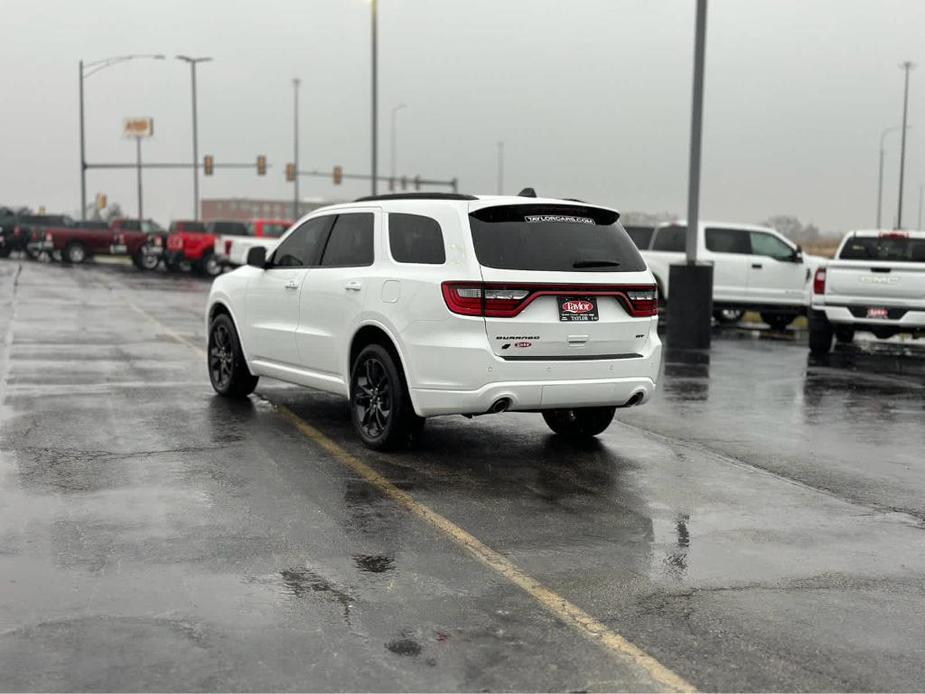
(875, 281)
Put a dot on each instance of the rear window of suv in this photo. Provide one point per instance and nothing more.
(553, 238)
(887, 247)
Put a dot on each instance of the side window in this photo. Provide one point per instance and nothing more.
(728, 241)
(765, 244)
(303, 246)
(351, 241)
(670, 238)
(416, 239)
(274, 230)
(642, 236)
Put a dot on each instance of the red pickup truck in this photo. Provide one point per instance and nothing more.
(190, 246)
(76, 244)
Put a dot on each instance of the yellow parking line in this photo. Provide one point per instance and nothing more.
(609, 640)
(552, 601)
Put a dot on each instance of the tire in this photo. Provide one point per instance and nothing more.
(844, 335)
(820, 334)
(209, 265)
(580, 422)
(727, 316)
(5, 251)
(146, 261)
(778, 321)
(228, 371)
(380, 407)
(75, 252)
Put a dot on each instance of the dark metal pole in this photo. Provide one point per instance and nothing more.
(907, 66)
(693, 191)
(295, 145)
(192, 66)
(140, 207)
(880, 185)
(375, 98)
(83, 158)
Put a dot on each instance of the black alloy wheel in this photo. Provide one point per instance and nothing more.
(228, 371)
(380, 407)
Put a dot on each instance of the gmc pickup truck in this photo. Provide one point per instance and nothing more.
(754, 269)
(76, 244)
(875, 283)
(232, 250)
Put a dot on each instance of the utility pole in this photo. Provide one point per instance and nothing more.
(907, 67)
(500, 168)
(375, 98)
(138, 169)
(192, 64)
(83, 158)
(883, 135)
(295, 144)
(690, 311)
(919, 225)
(85, 70)
(395, 110)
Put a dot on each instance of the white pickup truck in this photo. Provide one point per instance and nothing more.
(876, 283)
(754, 269)
(231, 249)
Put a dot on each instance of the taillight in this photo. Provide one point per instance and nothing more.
(819, 281)
(48, 237)
(158, 241)
(496, 300)
(643, 302)
(894, 235)
(227, 247)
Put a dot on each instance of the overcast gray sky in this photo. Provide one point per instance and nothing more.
(591, 97)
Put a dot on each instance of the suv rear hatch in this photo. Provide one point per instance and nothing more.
(873, 268)
(559, 282)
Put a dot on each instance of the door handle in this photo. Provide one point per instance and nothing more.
(757, 266)
(292, 284)
(353, 286)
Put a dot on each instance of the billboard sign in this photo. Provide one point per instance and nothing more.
(137, 127)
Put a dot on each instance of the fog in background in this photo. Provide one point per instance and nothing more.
(591, 98)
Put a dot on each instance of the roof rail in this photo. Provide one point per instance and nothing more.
(417, 196)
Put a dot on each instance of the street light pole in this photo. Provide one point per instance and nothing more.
(395, 110)
(375, 99)
(192, 64)
(85, 70)
(140, 198)
(295, 145)
(690, 310)
(883, 135)
(906, 66)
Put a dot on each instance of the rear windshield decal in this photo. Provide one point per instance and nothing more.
(557, 218)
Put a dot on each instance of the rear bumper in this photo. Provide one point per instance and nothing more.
(911, 319)
(534, 395)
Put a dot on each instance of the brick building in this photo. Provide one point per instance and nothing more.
(242, 209)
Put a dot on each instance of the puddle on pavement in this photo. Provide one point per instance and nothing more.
(373, 563)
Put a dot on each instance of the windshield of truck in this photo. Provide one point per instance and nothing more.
(897, 247)
(551, 238)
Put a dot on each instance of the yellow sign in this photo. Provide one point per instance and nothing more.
(137, 127)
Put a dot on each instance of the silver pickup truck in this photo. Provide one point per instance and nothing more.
(875, 283)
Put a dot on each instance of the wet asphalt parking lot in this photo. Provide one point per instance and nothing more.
(758, 526)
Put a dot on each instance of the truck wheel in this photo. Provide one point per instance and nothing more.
(844, 334)
(380, 407)
(778, 321)
(820, 333)
(228, 371)
(75, 252)
(580, 422)
(209, 265)
(728, 315)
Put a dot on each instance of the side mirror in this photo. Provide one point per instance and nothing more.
(257, 257)
(798, 254)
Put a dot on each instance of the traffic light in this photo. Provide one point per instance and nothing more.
(101, 201)
(261, 165)
(338, 175)
(208, 164)
(417, 182)
(290, 171)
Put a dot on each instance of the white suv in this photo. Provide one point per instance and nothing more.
(430, 304)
